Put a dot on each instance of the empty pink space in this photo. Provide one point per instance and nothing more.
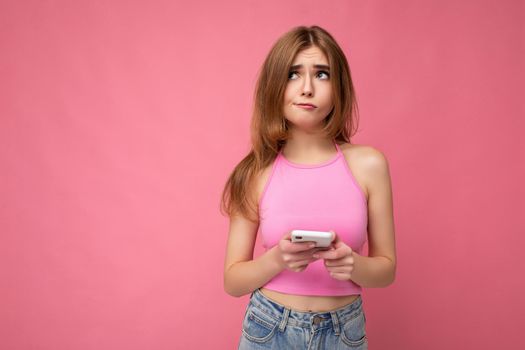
(120, 122)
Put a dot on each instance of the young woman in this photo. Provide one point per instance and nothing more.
(303, 173)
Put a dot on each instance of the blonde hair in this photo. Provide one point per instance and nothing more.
(269, 130)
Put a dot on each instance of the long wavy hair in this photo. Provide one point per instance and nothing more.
(269, 128)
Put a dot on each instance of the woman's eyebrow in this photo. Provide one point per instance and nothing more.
(318, 66)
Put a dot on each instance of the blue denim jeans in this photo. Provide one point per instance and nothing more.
(270, 325)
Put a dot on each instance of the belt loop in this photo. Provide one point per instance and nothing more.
(335, 322)
(286, 313)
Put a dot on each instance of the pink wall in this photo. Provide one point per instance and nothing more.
(120, 121)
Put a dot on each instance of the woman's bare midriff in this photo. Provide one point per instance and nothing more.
(309, 303)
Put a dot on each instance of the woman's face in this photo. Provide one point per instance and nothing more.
(308, 82)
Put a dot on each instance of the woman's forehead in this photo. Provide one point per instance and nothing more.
(314, 56)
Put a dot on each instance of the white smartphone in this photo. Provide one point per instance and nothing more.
(322, 239)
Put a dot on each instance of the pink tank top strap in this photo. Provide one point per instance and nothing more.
(337, 147)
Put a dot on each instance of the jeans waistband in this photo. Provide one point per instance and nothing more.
(322, 319)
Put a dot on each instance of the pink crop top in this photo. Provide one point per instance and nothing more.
(320, 197)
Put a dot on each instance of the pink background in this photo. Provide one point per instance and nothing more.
(121, 120)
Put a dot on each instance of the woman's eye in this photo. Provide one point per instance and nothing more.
(320, 72)
(326, 73)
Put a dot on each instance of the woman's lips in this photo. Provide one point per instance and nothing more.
(305, 106)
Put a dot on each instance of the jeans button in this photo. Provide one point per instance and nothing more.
(317, 320)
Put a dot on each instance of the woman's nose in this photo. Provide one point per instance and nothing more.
(307, 87)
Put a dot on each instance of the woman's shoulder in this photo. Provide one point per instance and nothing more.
(365, 162)
(363, 153)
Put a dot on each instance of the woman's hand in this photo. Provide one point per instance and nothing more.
(295, 256)
(339, 261)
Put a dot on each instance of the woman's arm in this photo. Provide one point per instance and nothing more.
(378, 269)
(242, 275)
